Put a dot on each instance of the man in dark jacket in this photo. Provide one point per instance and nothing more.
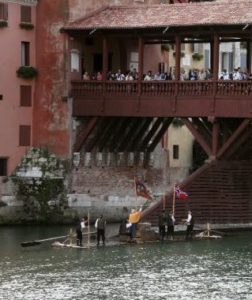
(170, 225)
(79, 234)
(161, 225)
(100, 225)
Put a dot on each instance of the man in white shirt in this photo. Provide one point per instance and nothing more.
(190, 224)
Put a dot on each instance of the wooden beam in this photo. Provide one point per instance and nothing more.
(233, 137)
(142, 146)
(102, 126)
(84, 134)
(240, 141)
(118, 134)
(108, 134)
(215, 137)
(199, 138)
(160, 133)
(133, 145)
(131, 128)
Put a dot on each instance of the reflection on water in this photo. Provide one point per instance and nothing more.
(218, 269)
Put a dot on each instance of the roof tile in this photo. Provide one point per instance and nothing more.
(190, 14)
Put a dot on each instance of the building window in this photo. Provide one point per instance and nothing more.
(3, 166)
(25, 53)
(175, 151)
(25, 95)
(25, 14)
(24, 135)
(1, 97)
(3, 11)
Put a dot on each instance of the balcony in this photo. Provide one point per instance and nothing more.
(162, 98)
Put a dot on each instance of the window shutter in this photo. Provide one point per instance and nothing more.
(3, 166)
(25, 13)
(4, 11)
(25, 95)
(24, 135)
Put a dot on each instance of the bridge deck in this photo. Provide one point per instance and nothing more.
(162, 98)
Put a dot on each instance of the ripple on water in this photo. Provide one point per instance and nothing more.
(202, 270)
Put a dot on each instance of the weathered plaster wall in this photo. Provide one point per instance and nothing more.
(51, 118)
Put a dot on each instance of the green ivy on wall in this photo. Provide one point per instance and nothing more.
(39, 182)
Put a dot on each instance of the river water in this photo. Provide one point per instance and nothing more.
(209, 269)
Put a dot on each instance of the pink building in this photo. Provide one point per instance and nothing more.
(17, 44)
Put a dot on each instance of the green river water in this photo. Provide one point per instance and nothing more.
(207, 269)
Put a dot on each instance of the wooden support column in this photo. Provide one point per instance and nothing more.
(178, 57)
(140, 58)
(216, 48)
(140, 69)
(249, 56)
(211, 56)
(215, 138)
(104, 68)
(177, 70)
(104, 58)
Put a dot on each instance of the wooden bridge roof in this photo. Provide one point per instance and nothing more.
(222, 12)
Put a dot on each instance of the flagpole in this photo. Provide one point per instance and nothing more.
(173, 201)
(88, 243)
(135, 188)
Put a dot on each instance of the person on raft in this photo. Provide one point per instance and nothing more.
(134, 218)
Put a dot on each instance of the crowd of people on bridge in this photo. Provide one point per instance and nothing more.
(192, 74)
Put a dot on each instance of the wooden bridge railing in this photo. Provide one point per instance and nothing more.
(84, 89)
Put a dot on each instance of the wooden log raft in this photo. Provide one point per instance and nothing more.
(144, 234)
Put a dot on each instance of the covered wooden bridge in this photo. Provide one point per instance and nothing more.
(127, 115)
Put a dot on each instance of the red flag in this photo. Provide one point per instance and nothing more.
(142, 190)
(181, 194)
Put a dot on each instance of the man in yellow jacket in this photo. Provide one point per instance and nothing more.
(134, 218)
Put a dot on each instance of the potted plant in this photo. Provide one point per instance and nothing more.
(165, 47)
(3, 23)
(182, 54)
(197, 56)
(27, 72)
(26, 25)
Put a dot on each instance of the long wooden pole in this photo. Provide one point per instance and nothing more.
(173, 201)
(38, 242)
(88, 231)
(164, 200)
